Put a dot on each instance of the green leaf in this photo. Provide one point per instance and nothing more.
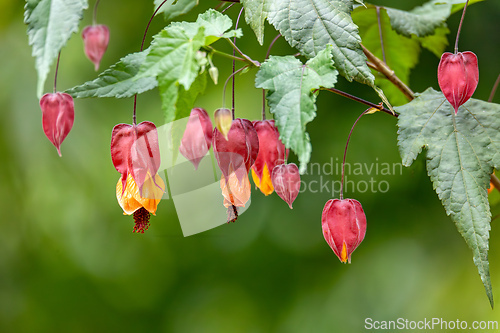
(437, 42)
(173, 55)
(216, 26)
(117, 81)
(255, 16)
(290, 96)
(171, 10)
(421, 21)
(311, 25)
(462, 151)
(50, 24)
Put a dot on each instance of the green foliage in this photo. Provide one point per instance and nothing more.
(462, 151)
(117, 81)
(50, 24)
(291, 96)
(173, 8)
(312, 25)
(255, 15)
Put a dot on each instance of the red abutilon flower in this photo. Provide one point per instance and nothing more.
(271, 153)
(286, 181)
(235, 156)
(95, 39)
(344, 226)
(458, 75)
(136, 155)
(58, 115)
(197, 137)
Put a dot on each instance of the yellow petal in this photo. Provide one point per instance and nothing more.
(152, 191)
(235, 193)
(343, 253)
(255, 179)
(266, 186)
(126, 200)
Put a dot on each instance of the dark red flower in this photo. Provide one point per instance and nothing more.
(272, 152)
(286, 181)
(197, 137)
(135, 151)
(458, 75)
(58, 115)
(344, 226)
(95, 39)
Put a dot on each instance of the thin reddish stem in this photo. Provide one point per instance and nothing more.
(263, 90)
(494, 89)
(345, 153)
(94, 17)
(381, 36)
(57, 70)
(234, 63)
(225, 85)
(460, 26)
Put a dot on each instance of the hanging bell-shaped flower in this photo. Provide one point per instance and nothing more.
(272, 152)
(58, 115)
(458, 75)
(95, 39)
(344, 226)
(197, 137)
(286, 181)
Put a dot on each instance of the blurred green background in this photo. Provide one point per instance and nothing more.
(69, 261)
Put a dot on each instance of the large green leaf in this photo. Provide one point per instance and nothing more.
(462, 151)
(290, 96)
(50, 25)
(171, 10)
(311, 25)
(255, 16)
(117, 81)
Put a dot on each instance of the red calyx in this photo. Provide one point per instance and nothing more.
(458, 75)
(95, 39)
(58, 115)
(197, 137)
(344, 226)
(286, 182)
(135, 150)
(240, 150)
(272, 151)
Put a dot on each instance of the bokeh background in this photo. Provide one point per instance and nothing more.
(69, 261)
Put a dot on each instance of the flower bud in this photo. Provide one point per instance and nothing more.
(197, 137)
(214, 74)
(223, 119)
(286, 182)
(458, 75)
(95, 39)
(58, 115)
(344, 226)
(272, 152)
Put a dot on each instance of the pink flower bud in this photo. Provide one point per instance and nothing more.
(458, 75)
(286, 181)
(58, 115)
(344, 226)
(135, 151)
(271, 153)
(95, 39)
(197, 137)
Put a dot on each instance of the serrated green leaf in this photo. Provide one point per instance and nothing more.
(437, 42)
(118, 80)
(458, 5)
(216, 26)
(171, 10)
(173, 55)
(311, 25)
(422, 20)
(462, 151)
(50, 24)
(290, 96)
(255, 15)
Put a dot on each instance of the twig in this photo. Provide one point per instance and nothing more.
(389, 73)
(360, 100)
